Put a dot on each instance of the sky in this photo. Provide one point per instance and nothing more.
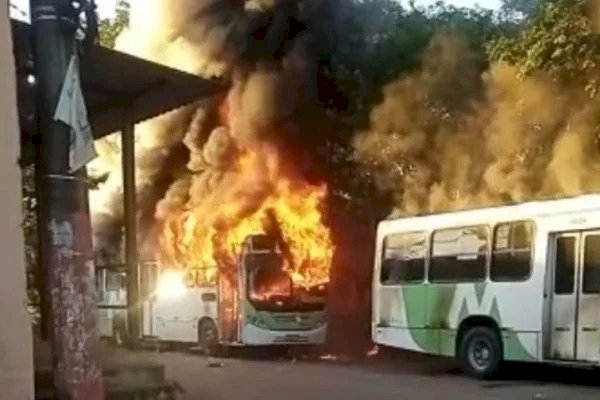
(106, 7)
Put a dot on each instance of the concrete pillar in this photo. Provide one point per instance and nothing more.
(131, 248)
(16, 354)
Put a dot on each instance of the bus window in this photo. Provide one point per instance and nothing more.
(459, 255)
(403, 258)
(511, 255)
(564, 272)
(208, 297)
(100, 289)
(262, 242)
(591, 265)
(267, 280)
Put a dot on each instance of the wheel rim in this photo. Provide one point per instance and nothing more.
(480, 354)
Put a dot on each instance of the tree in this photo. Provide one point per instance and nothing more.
(560, 40)
(109, 29)
(376, 42)
(403, 48)
(520, 8)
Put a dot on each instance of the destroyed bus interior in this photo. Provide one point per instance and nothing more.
(271, 288)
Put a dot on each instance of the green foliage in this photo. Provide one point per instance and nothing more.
(560, 40)
(403, 49)
(378, 40)
(109, 29)
(374, 43)
(520, 8)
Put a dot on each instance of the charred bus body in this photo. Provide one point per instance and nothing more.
(258, 305)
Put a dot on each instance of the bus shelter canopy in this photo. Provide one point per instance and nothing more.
(119, 89)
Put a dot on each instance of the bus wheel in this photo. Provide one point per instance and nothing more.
(119, 334)
(480, 352)
(208, 336)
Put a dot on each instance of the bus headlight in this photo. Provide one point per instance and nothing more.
(170, 285)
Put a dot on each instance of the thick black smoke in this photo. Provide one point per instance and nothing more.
(269, 53)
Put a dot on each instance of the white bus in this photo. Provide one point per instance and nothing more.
(515, 283)
(260, 307)
(177, 306)
(171, 306)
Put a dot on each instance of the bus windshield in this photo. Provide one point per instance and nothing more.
(270, 288)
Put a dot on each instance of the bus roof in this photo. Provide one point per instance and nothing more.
(513, 212)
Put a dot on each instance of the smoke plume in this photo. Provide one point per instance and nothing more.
(202, 170)
(447, 137)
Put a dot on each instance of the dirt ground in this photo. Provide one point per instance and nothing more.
(401, 376)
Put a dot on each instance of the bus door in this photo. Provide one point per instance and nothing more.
(112, 298)
(104, 320)
(575, 310)
(228, 310)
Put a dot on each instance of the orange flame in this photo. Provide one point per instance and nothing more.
(269, 290)
(190, 241)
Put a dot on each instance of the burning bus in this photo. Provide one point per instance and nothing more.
(249, 268)
(259, 304)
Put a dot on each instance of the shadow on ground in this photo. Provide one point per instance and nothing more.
(392, 361)
(512, 374)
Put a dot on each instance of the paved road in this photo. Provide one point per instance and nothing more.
(404, 377)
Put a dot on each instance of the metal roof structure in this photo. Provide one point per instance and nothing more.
(119, 89)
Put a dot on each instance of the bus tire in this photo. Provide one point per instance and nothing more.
(119, 337)
(480, 352)
(208, 336)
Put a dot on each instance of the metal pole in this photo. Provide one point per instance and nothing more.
(131, 249)
(65, 231)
